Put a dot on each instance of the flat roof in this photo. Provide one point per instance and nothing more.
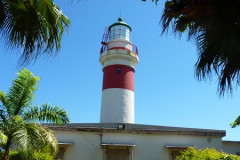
(136, 129)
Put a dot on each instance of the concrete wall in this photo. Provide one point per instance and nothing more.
(148, 146)
(86, 146)
(231, 147)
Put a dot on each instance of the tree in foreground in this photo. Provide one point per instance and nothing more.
(209, 154)
(215, 26)
(18, 117)
(34, 26)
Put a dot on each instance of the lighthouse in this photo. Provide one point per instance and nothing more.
(118, 57)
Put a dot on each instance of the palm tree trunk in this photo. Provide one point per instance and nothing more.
(7, 148)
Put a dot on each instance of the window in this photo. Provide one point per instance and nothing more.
(119, 32)
(117, 27)
(118, 70)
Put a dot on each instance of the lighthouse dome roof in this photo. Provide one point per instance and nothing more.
(120, 22)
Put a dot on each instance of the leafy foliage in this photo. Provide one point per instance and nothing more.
(35, 155)
(214, 24)
(41, 156)
(3, 138)
(47, 113)
(156, 1)
(209, 154)
(36, 26)
(236, 122)
(17, 116)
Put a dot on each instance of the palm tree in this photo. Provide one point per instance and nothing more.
(215, 25)
(34, 26)
(18, 117)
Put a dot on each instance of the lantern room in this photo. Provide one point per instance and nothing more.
(119, 30)
(117, 36)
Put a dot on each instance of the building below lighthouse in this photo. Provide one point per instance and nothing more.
(117, 137)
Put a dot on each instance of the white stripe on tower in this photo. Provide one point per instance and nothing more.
(117, 106)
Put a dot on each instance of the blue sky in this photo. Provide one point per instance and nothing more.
(166, 91)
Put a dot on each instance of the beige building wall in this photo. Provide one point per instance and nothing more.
(231, 147)
(87, 145)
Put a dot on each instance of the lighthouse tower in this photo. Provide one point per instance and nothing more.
(118, 58)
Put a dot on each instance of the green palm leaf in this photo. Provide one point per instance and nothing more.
(36, 26)
(17, 116)
(32, 136)
(3, 138)
(3, 107)
(22, 92)
(236, 122)
(47, 113)
(11, 125)
(2, 14)
(217, 33)
(3, 98)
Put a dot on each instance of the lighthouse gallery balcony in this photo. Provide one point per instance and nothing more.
(120, 44)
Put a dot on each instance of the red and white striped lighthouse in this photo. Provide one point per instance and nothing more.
(119, 58)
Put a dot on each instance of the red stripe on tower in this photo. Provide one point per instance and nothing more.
(118, 76)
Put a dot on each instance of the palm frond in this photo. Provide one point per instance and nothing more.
(22, 91)
(36, 26)
(17, 119)
(2, 13)
(220, 53)
(4, 106)
(49, 140)
(3, 98)
(32, 136)
(3, 138)
(214, 24)
(11, 125)
(236, 122)
(156, 1)
(47, 113)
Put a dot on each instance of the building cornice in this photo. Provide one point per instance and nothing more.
(137, 129)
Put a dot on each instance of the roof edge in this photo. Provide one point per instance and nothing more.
(138, 129)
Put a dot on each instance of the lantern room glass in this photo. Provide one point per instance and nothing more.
(119, 32)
